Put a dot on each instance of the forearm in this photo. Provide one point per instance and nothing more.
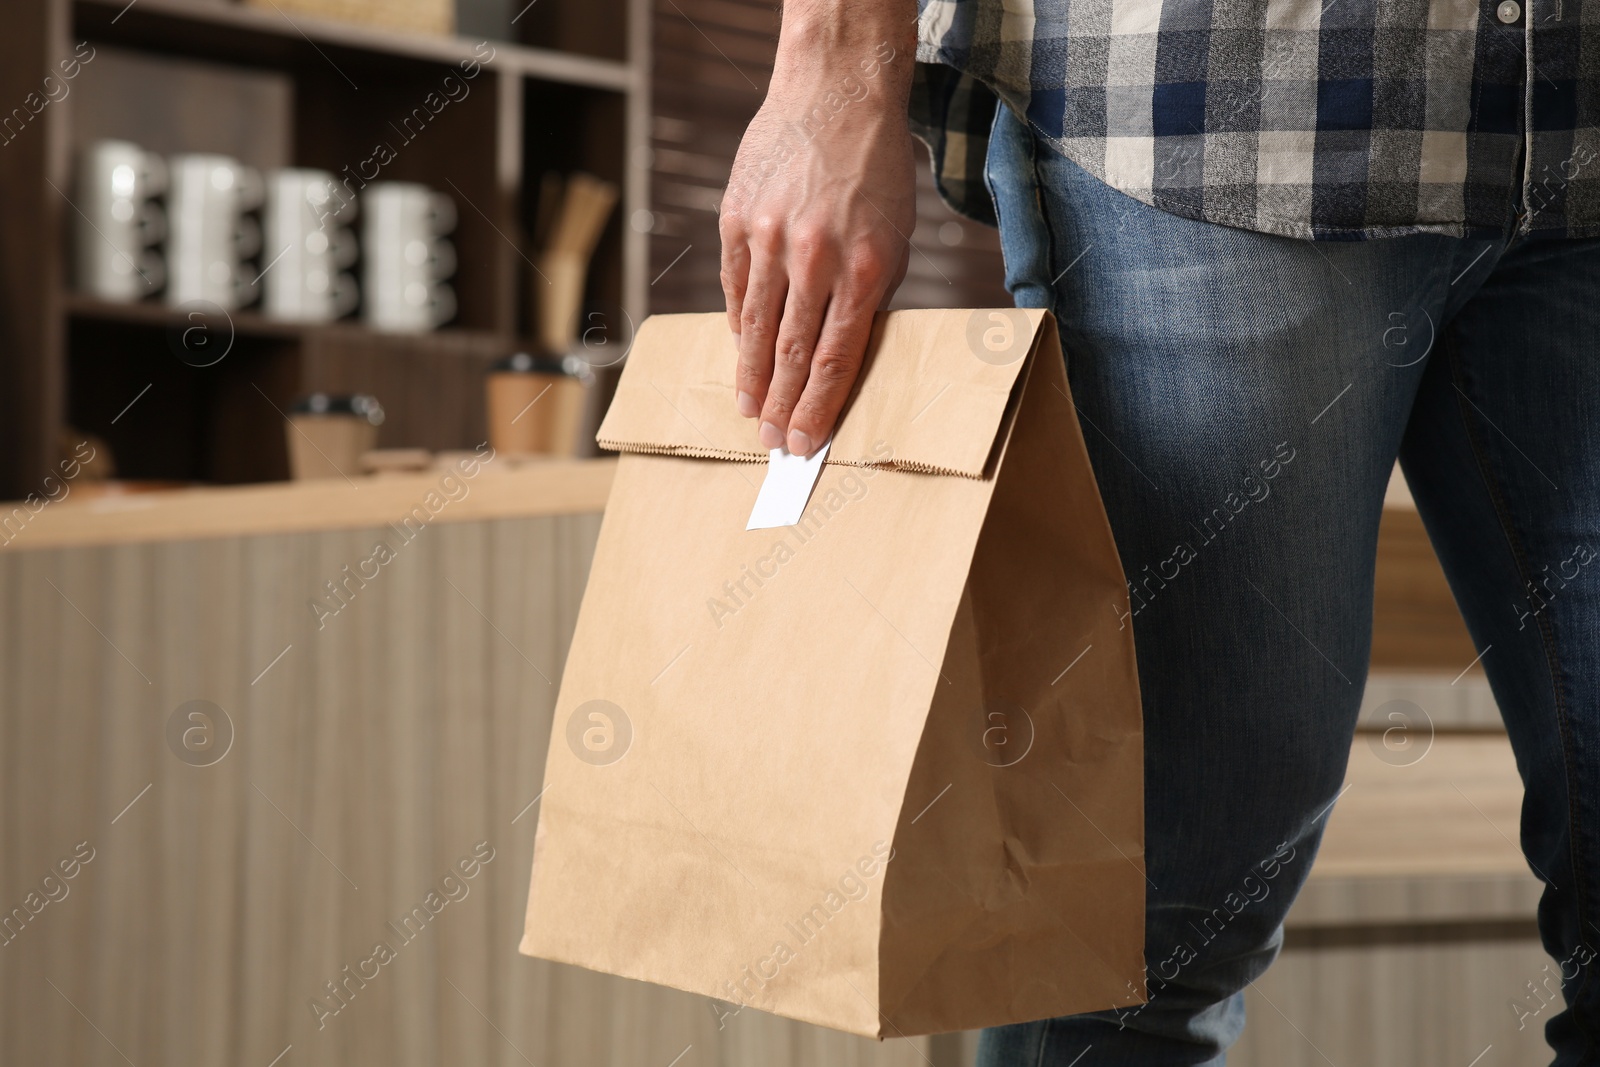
(858, 50)
(816, 217)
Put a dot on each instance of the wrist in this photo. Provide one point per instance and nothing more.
(867, 60)
(825, 22)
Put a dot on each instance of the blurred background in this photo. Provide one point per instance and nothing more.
(279, 641)
(576, 152)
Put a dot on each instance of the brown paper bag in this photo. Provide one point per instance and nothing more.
(881, 770)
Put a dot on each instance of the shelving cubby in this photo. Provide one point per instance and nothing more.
(563, 90)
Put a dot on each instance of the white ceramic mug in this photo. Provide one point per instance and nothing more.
(210, 233)
(116, 221)
(305, 248)
(406, 257)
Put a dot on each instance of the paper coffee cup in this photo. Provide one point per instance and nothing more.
(328, 435)
(535, 407)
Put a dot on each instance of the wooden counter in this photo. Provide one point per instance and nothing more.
(387, 717)
(491, 492)
(381, 730)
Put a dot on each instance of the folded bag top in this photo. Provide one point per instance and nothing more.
(934, 403)
(881, 770)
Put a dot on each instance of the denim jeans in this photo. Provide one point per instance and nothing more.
(1244, 398)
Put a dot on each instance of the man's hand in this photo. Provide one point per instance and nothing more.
(818, 213)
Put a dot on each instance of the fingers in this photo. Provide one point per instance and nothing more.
(759, 316)
(810, 281)
(801, 319)
(735, 267)
(835, 364)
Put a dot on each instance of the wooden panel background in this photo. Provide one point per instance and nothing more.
(431, 385)
(1415, 620)
(168, 104)
(366, 761)
(33, 154)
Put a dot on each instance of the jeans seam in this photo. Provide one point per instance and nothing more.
(1552, 657)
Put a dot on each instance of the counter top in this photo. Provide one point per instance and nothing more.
(495, 491)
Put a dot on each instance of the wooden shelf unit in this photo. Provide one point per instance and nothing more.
(274, 90)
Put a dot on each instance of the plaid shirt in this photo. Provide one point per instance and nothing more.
(1322, 119)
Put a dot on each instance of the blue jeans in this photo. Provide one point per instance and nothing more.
(1244, 398)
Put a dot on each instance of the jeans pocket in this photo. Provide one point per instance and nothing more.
(1012, 178)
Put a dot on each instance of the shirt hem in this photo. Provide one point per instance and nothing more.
(932, 52)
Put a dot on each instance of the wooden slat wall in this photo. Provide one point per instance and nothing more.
(431, 386)
(366, 762)
(712, 62)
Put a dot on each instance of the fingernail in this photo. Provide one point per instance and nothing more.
(799, 443)
(771, 436)
(748, 406)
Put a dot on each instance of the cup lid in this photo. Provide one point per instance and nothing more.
(527, 363)
(358, 404)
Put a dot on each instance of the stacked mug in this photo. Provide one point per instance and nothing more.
(307, 246)
(118, 221)
(211, 234)
(406, 257)
(304, 240)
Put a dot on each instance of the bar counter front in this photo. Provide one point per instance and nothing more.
(288, 741)
(270, 768)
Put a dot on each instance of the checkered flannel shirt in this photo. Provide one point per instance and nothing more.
(1322, 119)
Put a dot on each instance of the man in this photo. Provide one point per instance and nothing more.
(1286, 241)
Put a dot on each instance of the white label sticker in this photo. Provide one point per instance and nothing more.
(783, 496)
